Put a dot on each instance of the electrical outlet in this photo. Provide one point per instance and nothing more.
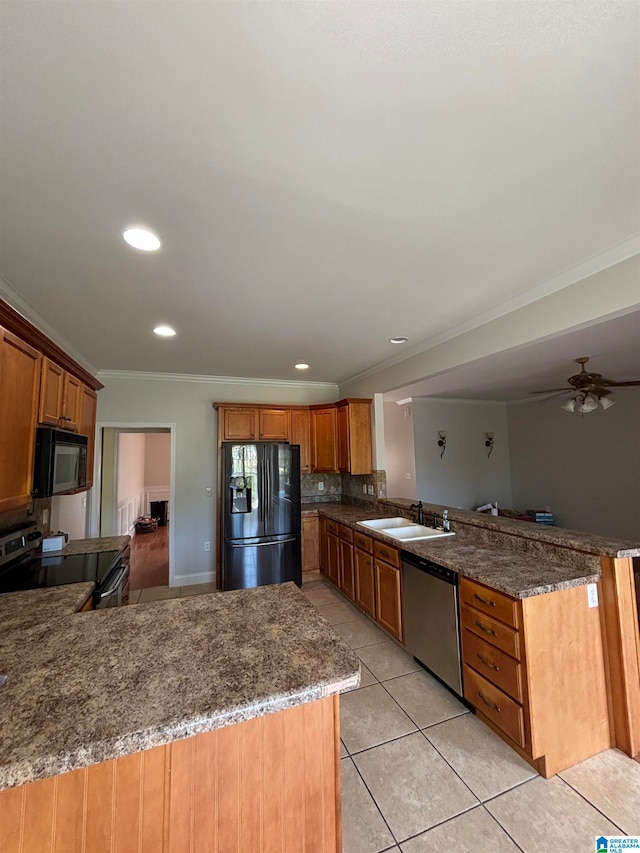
(321, 486)
(45, 516)
(370, 490)
(592, 595)
(83, 502)
(364, 488)
(407, 411)
(208, 492)
(207, 546)
(408, 476)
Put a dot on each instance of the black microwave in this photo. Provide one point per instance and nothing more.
(60, 463)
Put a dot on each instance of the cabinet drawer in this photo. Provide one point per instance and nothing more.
(489, 601)
(499, 635)
(495, 705)
(345, 533)
(332, 526)
(365, 543)
(494, 665)
(387, 553)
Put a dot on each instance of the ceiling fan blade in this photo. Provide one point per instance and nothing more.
(610, 382)
(554, 390)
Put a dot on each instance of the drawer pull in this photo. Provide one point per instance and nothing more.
(486, 702)
(487, 662)
(486, 630)
(385, 553)
(484, 600)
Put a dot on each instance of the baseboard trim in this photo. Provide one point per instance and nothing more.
(188, 580)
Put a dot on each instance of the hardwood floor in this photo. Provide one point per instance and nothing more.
(150, 559)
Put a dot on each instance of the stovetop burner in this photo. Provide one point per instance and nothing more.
(56, 569)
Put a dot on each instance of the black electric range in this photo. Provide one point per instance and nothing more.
(23, 568)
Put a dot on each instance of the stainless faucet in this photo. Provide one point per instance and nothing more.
(420, 511)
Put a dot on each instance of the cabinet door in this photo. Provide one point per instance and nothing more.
(239, 424)
(342, 423)
(365, 593)
(273, 424)
(354, 436)
(324, 547)
(310, 543)
(87, 426)
(388, 595)
(347, 583)
(323, 441)
(20, 383)
(333, 558)
(300, 433)
(51, 393)
(71, 394)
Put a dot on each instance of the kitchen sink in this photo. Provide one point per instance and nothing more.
(404, 530)
(387, 523)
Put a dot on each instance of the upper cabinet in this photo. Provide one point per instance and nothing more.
(354, 436)
(59, 397)
(238, 424)
(274, 424)
(87, 425)
(301, 434)
(20, 383)
(324, 456)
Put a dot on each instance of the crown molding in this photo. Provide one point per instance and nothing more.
(597, 263)
(216, 380)
(11, 296)
(459, 400)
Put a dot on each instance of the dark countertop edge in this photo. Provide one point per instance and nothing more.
(21, 773)
(441, 558)
(79, 546)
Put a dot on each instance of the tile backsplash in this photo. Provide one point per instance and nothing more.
(34, 512)
(349, 486)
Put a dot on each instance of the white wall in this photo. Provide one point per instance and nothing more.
(69, 514)
(140, 399)
(464, 477)
(586, 468)
(399, 451)
(131, 455)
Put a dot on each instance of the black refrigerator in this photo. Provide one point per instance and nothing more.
(261, 514)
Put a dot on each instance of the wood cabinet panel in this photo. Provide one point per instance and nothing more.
(71, 401)
(87, 426)
(389, 598)
(51, 392)
(20, 381)
(333, 558)
(387, 553)
(498, 667)
(347, 580)
(214, 791)
(365, 594)
(238, 424)
(274, 424)
(504, 637)
(354, 436)
(494, 704)
(324, 458)
(310, 543)
(300, 433)
(324, 547)
(365, 543)
(495, 604)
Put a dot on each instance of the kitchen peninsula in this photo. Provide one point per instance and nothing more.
(170, 722)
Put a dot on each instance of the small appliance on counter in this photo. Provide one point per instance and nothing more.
(54, 542)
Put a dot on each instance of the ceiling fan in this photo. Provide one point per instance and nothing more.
(588, 389)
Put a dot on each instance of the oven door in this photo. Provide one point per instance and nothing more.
(116, 589)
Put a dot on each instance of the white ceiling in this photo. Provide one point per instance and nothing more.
(323, 175)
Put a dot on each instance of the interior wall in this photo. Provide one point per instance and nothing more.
(188, 406)
(157, 460)
(69, 514)
(107, 501)
(400, 451)
(131, 467)
(464, 477)
(586, 468)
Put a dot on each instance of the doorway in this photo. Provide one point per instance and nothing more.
(135, 482)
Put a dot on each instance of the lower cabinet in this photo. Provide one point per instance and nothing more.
(310, 543)
(365, 570)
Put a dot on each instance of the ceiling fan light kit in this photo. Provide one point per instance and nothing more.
(589, 390)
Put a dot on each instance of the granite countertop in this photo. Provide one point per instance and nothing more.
(518, 575)
(88, 687)
(96, 546)
(20, 611)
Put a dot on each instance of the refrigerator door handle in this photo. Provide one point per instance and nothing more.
(268, 470)
(263, 544)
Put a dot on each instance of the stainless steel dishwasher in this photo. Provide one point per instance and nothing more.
(431, 622)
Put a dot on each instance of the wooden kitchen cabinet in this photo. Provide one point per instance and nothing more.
(324, 553)
(87, 426)
(388, 590)
(324, 456)
(365, 592)
(238, 424)
(20, 381)
(310, 543)
(347, 580)
(353, 423)
(301, 434)
(331, 569)
(60, 397)
(534, 670)
(274, 424)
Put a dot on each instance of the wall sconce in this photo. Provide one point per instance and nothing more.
(489, 443)
(442, 441)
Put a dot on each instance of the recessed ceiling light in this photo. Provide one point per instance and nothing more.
(164, 331)
(301, 365)
(141, 238)
(399, 340)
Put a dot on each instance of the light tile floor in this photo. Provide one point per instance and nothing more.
(420, 774)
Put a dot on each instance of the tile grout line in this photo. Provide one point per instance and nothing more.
(504, 829)
(375, 802)
(593, 806)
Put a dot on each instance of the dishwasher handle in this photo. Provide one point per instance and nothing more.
(430, 568)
